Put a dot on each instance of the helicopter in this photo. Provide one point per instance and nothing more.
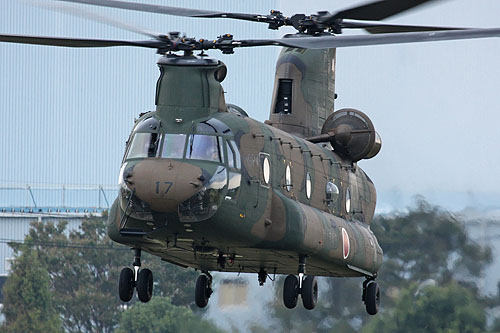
(205, 186)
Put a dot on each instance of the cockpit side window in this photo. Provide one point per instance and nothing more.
(173, 145)
(230, 155)
(237, 156)
(143, 145)
(213, 126)
(233, 155)
(147, 125)
(205, 147)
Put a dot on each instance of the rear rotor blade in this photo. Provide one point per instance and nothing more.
(382, 28)
(379, 10)
(325, 42)
(75, 42)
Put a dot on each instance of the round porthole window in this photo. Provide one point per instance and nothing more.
(348, 201)
(266, 170)
(332, 192)
(308, 186)
(288, 178)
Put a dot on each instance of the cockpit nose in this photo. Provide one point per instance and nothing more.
(162, 184)
(178, 173)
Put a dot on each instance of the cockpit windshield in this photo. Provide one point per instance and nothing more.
(143, 145)
(205, 147)
(173, 145)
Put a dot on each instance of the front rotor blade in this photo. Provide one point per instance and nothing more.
(75, 42)
(326, 42)
(383, 28)
(176, 11)
(379, 10)
(70, 9)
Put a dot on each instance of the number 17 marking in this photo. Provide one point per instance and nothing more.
(169, 185)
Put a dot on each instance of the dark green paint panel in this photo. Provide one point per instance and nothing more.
(261, 218)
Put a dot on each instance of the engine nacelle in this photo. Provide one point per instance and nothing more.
(352, 134)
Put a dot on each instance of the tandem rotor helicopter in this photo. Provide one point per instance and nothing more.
(203, 185)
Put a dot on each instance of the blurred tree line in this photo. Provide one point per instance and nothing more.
(429, 281)
(67, 281)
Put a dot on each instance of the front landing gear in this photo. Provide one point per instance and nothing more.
(203, 289)
(306, 286)
(371, 296)
(126, 284)
(291, 291)
(142, 280)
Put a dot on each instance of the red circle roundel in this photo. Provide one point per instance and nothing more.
(346, 244)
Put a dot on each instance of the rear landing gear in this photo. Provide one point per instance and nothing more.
(371, 296)
(203, 289)
(306, 286)
(142, 280)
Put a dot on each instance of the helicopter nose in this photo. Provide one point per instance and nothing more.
(163, 183)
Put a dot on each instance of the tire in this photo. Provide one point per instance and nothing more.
(372, 298)
(291, 291)
(202, 291)
(309, 292)
(145, 285)
(126, 284)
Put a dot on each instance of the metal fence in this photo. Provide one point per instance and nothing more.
(55, 197)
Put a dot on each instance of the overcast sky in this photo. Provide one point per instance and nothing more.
(435, 105)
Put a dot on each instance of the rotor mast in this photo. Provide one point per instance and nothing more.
(189, 87)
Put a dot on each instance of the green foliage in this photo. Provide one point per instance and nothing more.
(172, 281)
(427, 243)
(75, 274)
(28, 305)
(450, 308)
(84, 266)
(160, 315)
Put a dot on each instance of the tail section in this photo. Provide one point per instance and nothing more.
(304, 91)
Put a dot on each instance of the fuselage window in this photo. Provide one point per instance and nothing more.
(204, 147)
(308, 186)
(266, 169)
(332, 192)
(143, 145)
(173, 145)
(348, 201)
(288, 178)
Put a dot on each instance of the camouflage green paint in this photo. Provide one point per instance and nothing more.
(313, 90)
(258, 224)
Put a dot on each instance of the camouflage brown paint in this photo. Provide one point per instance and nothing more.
(313, 90)
(257, 225)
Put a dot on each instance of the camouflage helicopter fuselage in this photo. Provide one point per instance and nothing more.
(205, 186)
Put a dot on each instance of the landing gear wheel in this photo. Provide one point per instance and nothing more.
(126, 284)
(290, 291)
(202, 291)
(145, 285)
(372, 299)
(309, 292)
